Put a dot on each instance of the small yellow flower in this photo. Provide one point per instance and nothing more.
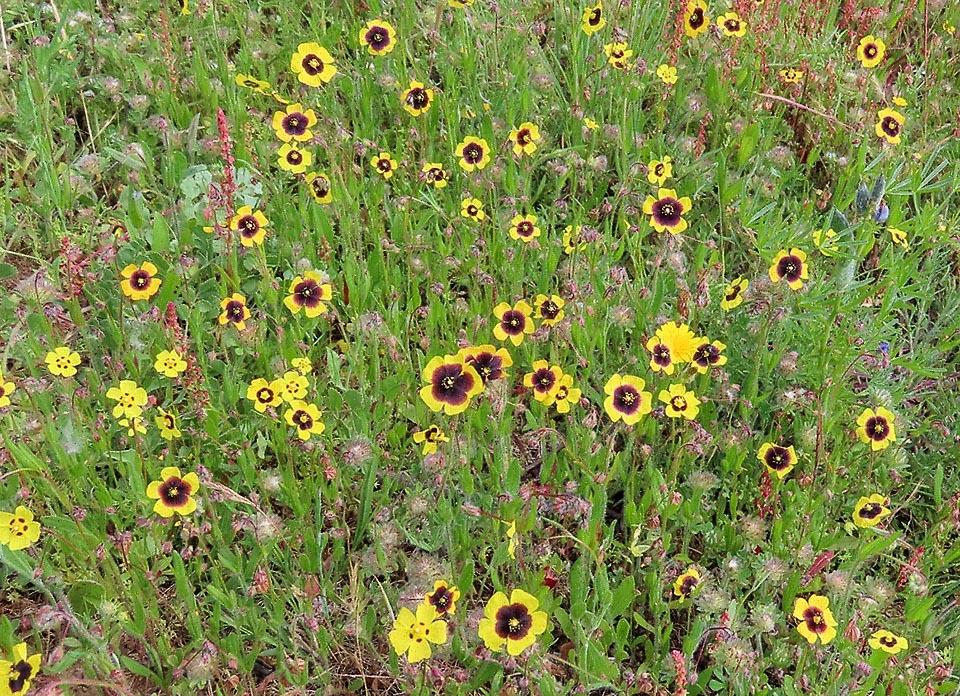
(512, 540)
(790, 266)
(234, 312)
(871, 51)
(169, 363)
(444, 598)
(292, 159)
(667, 74)
(590, 123)
(791, 76)
(525, 138)
(593, 20)
(695, 19)
(899, 237)
(312, 64)
(876, 428)
(18, 530)
(140, 282)
(379, 37)
(816, 619)
(680, 402)
(888, 642)
(384, 164)
(416, 99)
(303, 365)
(869, 510)
(130, 399)
(826, 241)
(731, 24)
(524, 228)
(263, 393)
(513, 623)
(413, 634)
(305, 418)
(472, 209)
(658, 171)
(686, 583)
(167, 423)
(293, 123)
(174, 493)
(6, 389)
(733, 294)
(251, 225)
(320, 187)
(62, 362)
(474, 153)
(430, 438)
(16, 676)
(133, 425)
(889, 124)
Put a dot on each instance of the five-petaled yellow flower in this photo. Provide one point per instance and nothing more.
(18, 530)
(525, 138)
(140, 282)
(17, 675)
(174, 493)
(130, 399)
(413, 634)
(513, 623)
(312, 64)
(876, 428)
(816, 619)
(169, 363)
(308, 292)
(62, 362)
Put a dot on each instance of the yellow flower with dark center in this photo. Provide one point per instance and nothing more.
(593, 20)
(548, 309)
(731, 24)
(525, 138)
(451, 382)
(308, 293)
(816, 619)
(416, 99)
(524, 228)
(733, 294)
(62, 362)
(876, 428)
(17, 675)
(234, 311)
(293, 386)
(778, 460)
(384, 164)
(167, 423)
(618, 54)
(666, 211)
(130, 399)
(413, 634)
(292, 159)
(433, 173)
(871, 51)
(826, 241)
(667, 75)
(6, 389)
(708, 355)
(573, 239)
(869, 510)
(889, 124)
(169, 363)
(140, 282)
(250, 82)
(566, 394)
(443, 598)
(514, 322)
(474, 153)
(250, 224)
(686, 583)
(18, 530)
(305, 418)
(513, 623)
(658, 171)
(695, 19)
(320, 187)
(312, 64)
(888, 642)
(626, 399)
(174, 493)
(791, 76)
(790, 266)
(472, 209)
(294, 123)
(263, 393)
(430, 438)
(133, 425)
(487, 360)
(379, 37)
(680, 402)
(302, 365)
(544, 381)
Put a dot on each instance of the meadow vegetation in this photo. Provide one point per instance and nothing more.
(479, 347)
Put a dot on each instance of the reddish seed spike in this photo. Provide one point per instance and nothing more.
(819, 563)
(346, 292)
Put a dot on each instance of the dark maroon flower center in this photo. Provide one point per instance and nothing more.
(140, 279)
(888, 641)
(432, 434)
(870, 51)
(435, 174)
(265, 395)
(488, 365)
(549, 309)
(234, 311)
(815, 620)
(451, 384)
(295, 124)
(472, 210)
(707, 354)
(696, 19)
(543, 380)
(472, 153)
(525, 228)
(626, 399)
(168, 422)
(777, 458)
(878, 429)
(790, 267)
(679, 403)
(378, 38)
(871, 511)
(732, 25)
(418, 98)
(594, 18)
(294, 157)
(307, 293)
(248, 226)
(513, 322)
(20, 674)
(383, 165)
(890, 126)
(523, 137)
(174, 492)
(688, 585)
(661, 354)
(321, 186)
(441, 598)
(303, 420)
(735, 291)
(667, 211)
(513, 622)
(658, 170)
(312, 64)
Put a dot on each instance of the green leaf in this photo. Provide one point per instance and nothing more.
(623, 597)
(748, 143)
